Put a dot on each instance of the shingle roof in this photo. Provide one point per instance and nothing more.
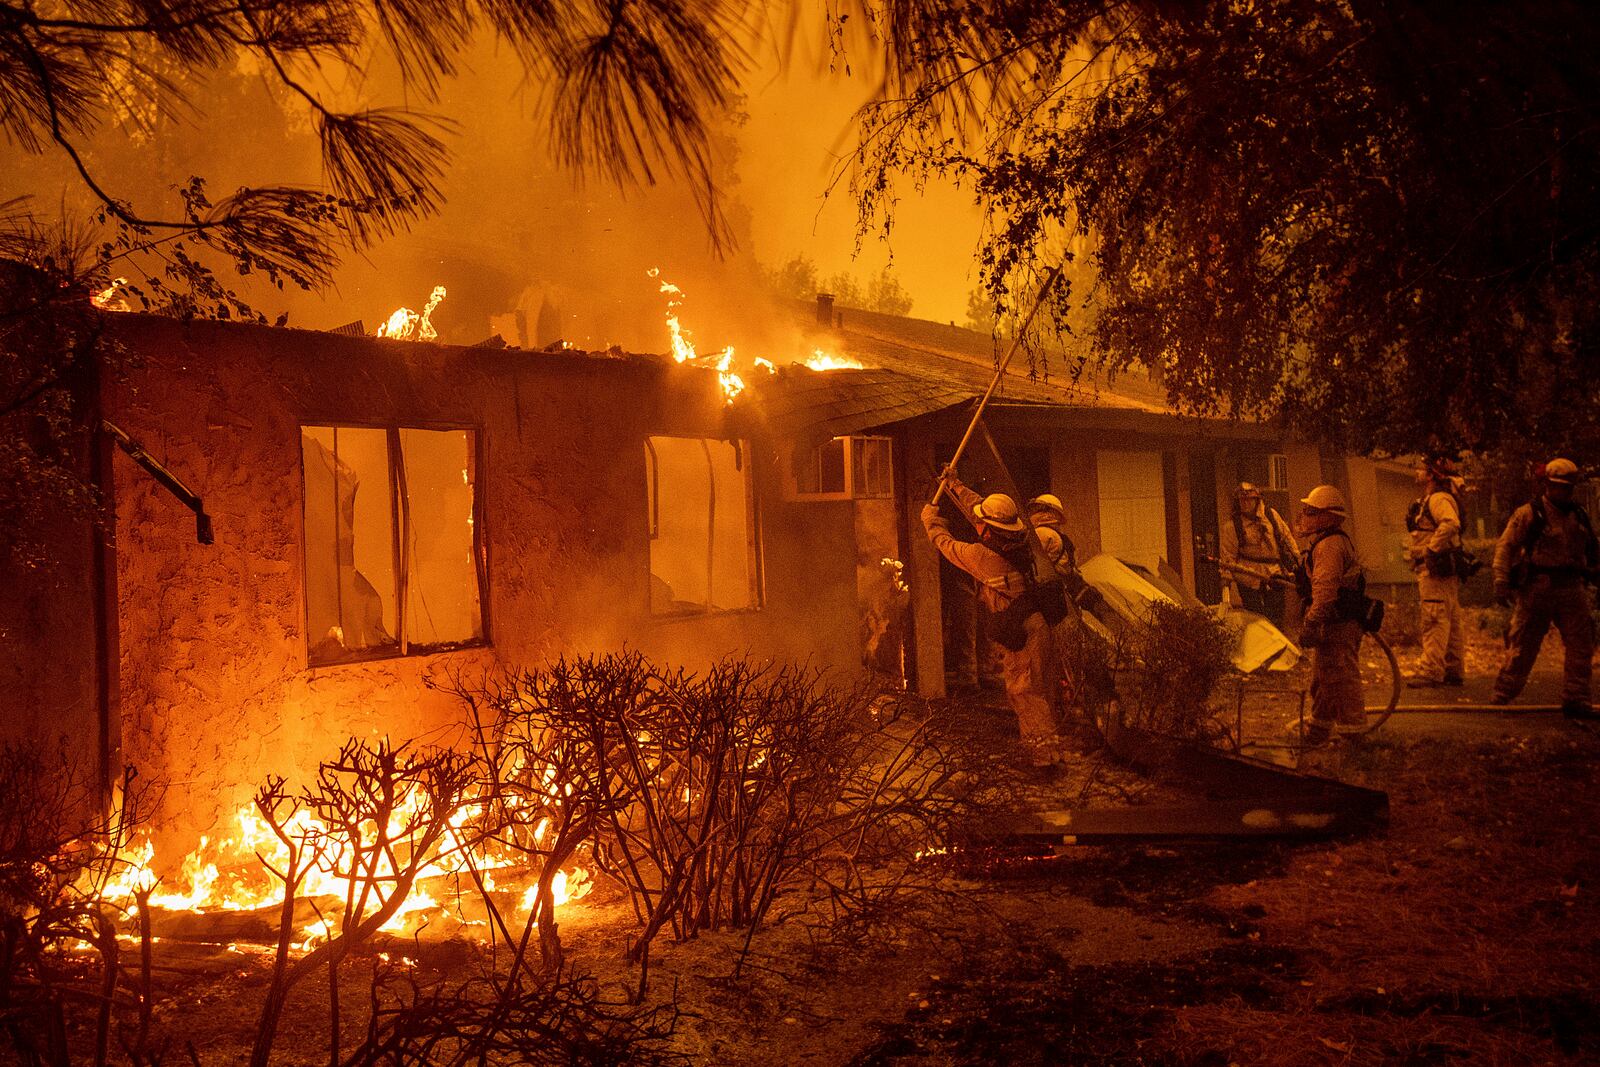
(914, 367)
(816, 405)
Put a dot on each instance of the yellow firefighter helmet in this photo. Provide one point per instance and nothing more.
(999, 511)
(1325, 498)
(1561, 471)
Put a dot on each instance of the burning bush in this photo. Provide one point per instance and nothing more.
(712, 800)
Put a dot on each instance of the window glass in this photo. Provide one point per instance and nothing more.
(350, 564)
(872, 470)
(822, 469)
(703, 556)
(440, 549)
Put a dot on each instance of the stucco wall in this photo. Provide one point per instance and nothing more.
(216, 692)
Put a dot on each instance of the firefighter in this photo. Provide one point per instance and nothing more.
(1545, 556)
(1002, 563)
(1044, 515)
(1333, 586)
(1258, 546)
(1434, 523)
(1055, 549)
(1046, 512)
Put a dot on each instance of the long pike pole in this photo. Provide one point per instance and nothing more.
(994, 383)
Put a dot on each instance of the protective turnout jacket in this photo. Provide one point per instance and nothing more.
(1260, 543)
(1564, 544)
(999, 583)
(1333, 566)
(1437, 528)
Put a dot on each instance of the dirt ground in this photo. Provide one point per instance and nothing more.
(1467, 933)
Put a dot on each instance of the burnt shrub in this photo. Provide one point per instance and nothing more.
(61, 853)
(1158, 675)
(709, 796)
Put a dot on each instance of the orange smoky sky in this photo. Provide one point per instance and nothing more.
(519, 233)
(800, 129)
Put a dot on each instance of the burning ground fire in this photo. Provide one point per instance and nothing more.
(231, 874)
(683, 350)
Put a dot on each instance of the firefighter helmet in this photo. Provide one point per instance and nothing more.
(1325, 498)
(1050, 541)
(999, 511)
(1561, 472)
(1440, 465)
(1047, 502)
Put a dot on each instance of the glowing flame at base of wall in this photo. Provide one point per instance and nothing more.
(229, 875)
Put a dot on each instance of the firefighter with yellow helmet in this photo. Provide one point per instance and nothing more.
(1546, 558)
(1333, 586)
(1257, 546)
(1001, 561)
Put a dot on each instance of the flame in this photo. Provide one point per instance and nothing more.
(110, 298)
(823, 361)
(683, 350)
(228, 874)
(408, 325)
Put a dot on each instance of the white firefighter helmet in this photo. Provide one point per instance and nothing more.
(1561, 471)
(1050, 541)
(1325, 498)
(999, 511)
(1047, 502)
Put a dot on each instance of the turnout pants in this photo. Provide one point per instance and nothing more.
(1032, 680)
(1564, 602)
(1336, 698)
(1268, 600)
(1442, 637)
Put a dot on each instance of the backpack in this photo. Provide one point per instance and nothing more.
(1048, 598)
(1353, 603)
(1522, 571)
(1455, 563)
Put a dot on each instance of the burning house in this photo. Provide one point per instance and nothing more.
(390, 516)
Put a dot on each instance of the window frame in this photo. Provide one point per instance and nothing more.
(399, 513)
(754, 528)
(1277, 464)
(847, 442)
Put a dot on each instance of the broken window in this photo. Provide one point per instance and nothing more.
(392, 542)
(704, 544)
(852, 468)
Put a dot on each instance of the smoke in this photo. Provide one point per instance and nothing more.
(530, 250)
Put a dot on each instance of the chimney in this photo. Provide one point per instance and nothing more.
(825, 309)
